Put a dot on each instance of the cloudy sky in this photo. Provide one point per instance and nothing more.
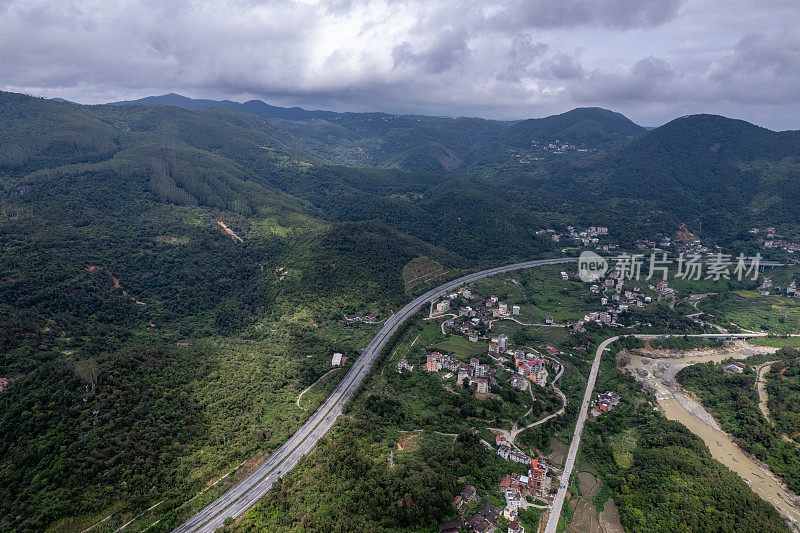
(653, 60)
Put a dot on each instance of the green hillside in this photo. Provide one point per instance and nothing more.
(171, 278)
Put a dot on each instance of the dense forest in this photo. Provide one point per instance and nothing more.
(171, 277)
(733, 400)
(660, 473)
(783, 393)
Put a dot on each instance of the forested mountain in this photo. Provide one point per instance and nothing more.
(582, 125)
(244, 234)
(415, 142)
(711, 172)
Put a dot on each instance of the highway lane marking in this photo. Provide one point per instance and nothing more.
(370, 354)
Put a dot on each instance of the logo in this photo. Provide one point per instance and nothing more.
(591, 267)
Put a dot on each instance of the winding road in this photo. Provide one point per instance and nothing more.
(239, 498)
(247, 492)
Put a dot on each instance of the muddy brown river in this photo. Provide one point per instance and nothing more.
(680, 407)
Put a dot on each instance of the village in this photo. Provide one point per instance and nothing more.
(768, 238)
(469, 315)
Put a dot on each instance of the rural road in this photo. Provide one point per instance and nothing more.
(247, 492)
(558, 502)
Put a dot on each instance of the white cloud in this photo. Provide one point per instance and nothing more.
(654, 59)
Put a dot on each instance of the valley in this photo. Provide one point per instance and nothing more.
(176, 279)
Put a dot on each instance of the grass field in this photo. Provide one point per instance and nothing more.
(777, 342)
(750, 310)
(462, 347)
(541, 292)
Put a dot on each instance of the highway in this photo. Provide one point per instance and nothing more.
(247, 492)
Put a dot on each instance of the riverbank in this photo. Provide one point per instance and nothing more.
(657, 372)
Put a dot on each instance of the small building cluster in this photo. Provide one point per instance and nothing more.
(403, 365)
(773, 240)
(473, 373)
(517, 488)
(483, 520)
(604, 403)
(532, 366)
(588, 237)
(371, 318)
(512, 454)
(767, 289)
(736, 368)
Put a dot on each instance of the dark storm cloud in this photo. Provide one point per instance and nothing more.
(649, 79)
(571, 13)
(512, 58)
(761, 68)
(562, 66)
(448, 49)
(520, 58)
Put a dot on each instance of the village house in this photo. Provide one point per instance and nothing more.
(3, 383)
(536, 476)
(515, 527)
(517, 381)
(483, 387)
(604, 403)
(469, 494)
(736, 368)
(403, 365)
(337, 359)
(502, 342)
(464, 372)
(484, 520)
(512, 454)
(352, 319)
(515, 310)
(433, 362)
(454, 526)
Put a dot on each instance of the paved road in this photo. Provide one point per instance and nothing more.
(558, 502)
(247, 492)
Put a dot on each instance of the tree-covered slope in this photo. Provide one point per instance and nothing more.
(112, 253)
(582, 125)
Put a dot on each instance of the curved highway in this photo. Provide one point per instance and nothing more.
(247, 492)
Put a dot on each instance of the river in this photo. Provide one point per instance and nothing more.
(682, 408)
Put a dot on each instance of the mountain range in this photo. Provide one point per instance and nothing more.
(146, 245)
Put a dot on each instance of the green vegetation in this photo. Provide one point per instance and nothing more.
(150, 351)
(541, 292)
(776, 341)
(783, 393)
(684, 343)
(749, 310)
(733, 400)
(659, 473)
(347, 481)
